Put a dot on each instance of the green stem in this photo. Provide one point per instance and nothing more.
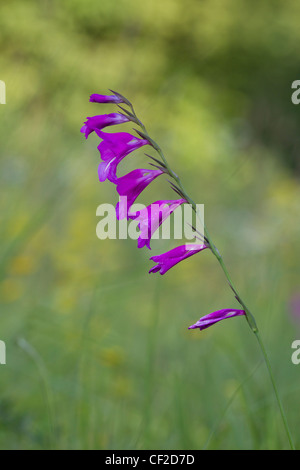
(249, 317)
(268, 365)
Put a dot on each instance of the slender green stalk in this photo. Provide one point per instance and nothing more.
(35, 356)
(284, 419)
(249, 317)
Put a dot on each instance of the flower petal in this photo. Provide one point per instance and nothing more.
(152, 216)
(101, 121)
(113, 148)
(96, 98)
(169, 259)
(215, 317)
(130, 186)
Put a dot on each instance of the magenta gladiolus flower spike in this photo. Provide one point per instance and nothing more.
(152, 217)
(130, 186)
(169, 259)
(101, 121)
(95, 98)
(113, 148)
(215, 317)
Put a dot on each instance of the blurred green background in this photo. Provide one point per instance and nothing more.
(98, 351)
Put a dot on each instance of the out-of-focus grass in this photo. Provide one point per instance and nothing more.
(98, 351)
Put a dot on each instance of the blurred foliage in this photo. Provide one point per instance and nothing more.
(98, 352)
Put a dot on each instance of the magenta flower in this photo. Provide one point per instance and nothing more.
(113, 148)
(130, 186)
(215, 317)
(95, 98)
(152, 216)
(169, 259)
(101, 121)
